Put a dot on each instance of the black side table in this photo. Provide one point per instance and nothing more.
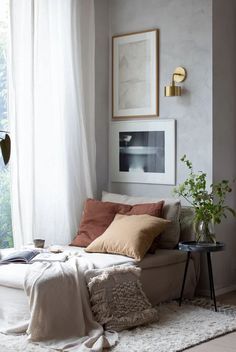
(202, 247)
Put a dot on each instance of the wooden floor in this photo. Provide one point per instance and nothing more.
(225, 343)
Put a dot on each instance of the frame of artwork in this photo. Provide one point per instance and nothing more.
(143, 151)
(135, 63)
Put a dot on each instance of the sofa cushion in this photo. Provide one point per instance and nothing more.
(153, 209)
(95, 219)
(117, 299)
(130, 235)
(187, 232)
(171, 211)
(97, 216)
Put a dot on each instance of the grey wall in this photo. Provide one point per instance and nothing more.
(185, 40)
(199, 35)
(101, 92)
(224, 129)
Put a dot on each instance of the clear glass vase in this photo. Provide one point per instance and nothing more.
(205, 231)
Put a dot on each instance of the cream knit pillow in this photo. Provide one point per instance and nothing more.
(117, 299)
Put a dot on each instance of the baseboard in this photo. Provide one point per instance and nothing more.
(218, 291)
(223, 290)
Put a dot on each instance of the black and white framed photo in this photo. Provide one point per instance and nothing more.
(143, 152)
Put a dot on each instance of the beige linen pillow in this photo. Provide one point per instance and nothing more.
(130, 235)
(171, 211)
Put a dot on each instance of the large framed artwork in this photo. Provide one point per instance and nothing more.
(143, 152)
(135, 62)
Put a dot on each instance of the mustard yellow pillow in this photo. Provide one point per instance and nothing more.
(130, 235)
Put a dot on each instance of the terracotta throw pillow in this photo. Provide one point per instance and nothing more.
(97, 216)
(130, 235)
(153, 209)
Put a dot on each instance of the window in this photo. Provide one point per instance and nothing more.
(6, 239)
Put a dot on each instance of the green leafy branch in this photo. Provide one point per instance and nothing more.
(208, 205)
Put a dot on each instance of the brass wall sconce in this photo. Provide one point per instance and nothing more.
(178, 76)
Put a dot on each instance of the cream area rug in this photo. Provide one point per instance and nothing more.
(177, 329)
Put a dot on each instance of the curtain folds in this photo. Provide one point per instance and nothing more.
(51, 103)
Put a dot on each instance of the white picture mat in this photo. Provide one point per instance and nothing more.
(149, 60)
(166, 125)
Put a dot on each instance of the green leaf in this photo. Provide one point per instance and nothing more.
(5, 145)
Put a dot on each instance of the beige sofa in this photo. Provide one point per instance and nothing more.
(162, 272)
(161, 275)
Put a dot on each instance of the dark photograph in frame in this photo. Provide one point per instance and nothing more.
(142, 151)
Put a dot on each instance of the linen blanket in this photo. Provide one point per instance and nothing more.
(60, 306)
(61, 316)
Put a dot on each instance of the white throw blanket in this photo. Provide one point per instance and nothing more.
(61, 316)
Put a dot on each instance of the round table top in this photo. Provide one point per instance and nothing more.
(193, 246)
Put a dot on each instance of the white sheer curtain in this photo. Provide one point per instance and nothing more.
(51, 105)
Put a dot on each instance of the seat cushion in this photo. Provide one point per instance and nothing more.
(162, 257)
(12, 275)
(171, 211)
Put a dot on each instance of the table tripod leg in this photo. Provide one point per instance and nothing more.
(209, 273)
(185, 274)
(211, 279)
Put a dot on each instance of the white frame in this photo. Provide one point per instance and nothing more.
(151, 76)
(166, 125)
